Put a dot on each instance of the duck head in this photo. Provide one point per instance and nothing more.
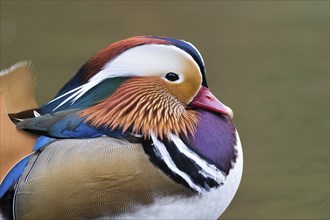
(142, 84)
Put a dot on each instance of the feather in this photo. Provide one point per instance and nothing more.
(82, 81)
(17, 87)
(16, 171)
(116, 177)
(16, 94)
(13, 175)
(94, 132)
(123, 110)
(91, 97)
(64, 124)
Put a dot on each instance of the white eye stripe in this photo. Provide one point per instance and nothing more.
(144, 60)
(148, 60)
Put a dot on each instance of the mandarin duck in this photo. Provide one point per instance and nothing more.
(136, 133)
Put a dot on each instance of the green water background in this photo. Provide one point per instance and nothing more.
(267, 60)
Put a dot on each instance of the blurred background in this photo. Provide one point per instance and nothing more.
(268, 60)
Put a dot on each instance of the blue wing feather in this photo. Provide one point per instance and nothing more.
(66, 124)
(13, 175)
(42, 141)
(16, 171)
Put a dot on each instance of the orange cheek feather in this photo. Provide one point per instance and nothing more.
(143, 105)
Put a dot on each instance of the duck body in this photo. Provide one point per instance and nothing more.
(134, 134)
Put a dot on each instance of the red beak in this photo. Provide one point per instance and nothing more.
(206, 100)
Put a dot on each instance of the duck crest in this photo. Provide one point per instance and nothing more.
(97, 62)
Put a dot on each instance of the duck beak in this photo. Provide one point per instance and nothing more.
(206, 100)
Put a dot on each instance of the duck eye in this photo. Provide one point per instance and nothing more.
(172, 76)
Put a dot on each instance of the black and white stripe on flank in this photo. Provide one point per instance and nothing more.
(163, 154)
(186, 165)
(207, 169)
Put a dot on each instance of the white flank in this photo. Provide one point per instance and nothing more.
(171, 165)
(209, 205)
(208, 170)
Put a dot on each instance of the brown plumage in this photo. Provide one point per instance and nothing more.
(144, 104)
(100, 178)
(97, 62)
(16, 94)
